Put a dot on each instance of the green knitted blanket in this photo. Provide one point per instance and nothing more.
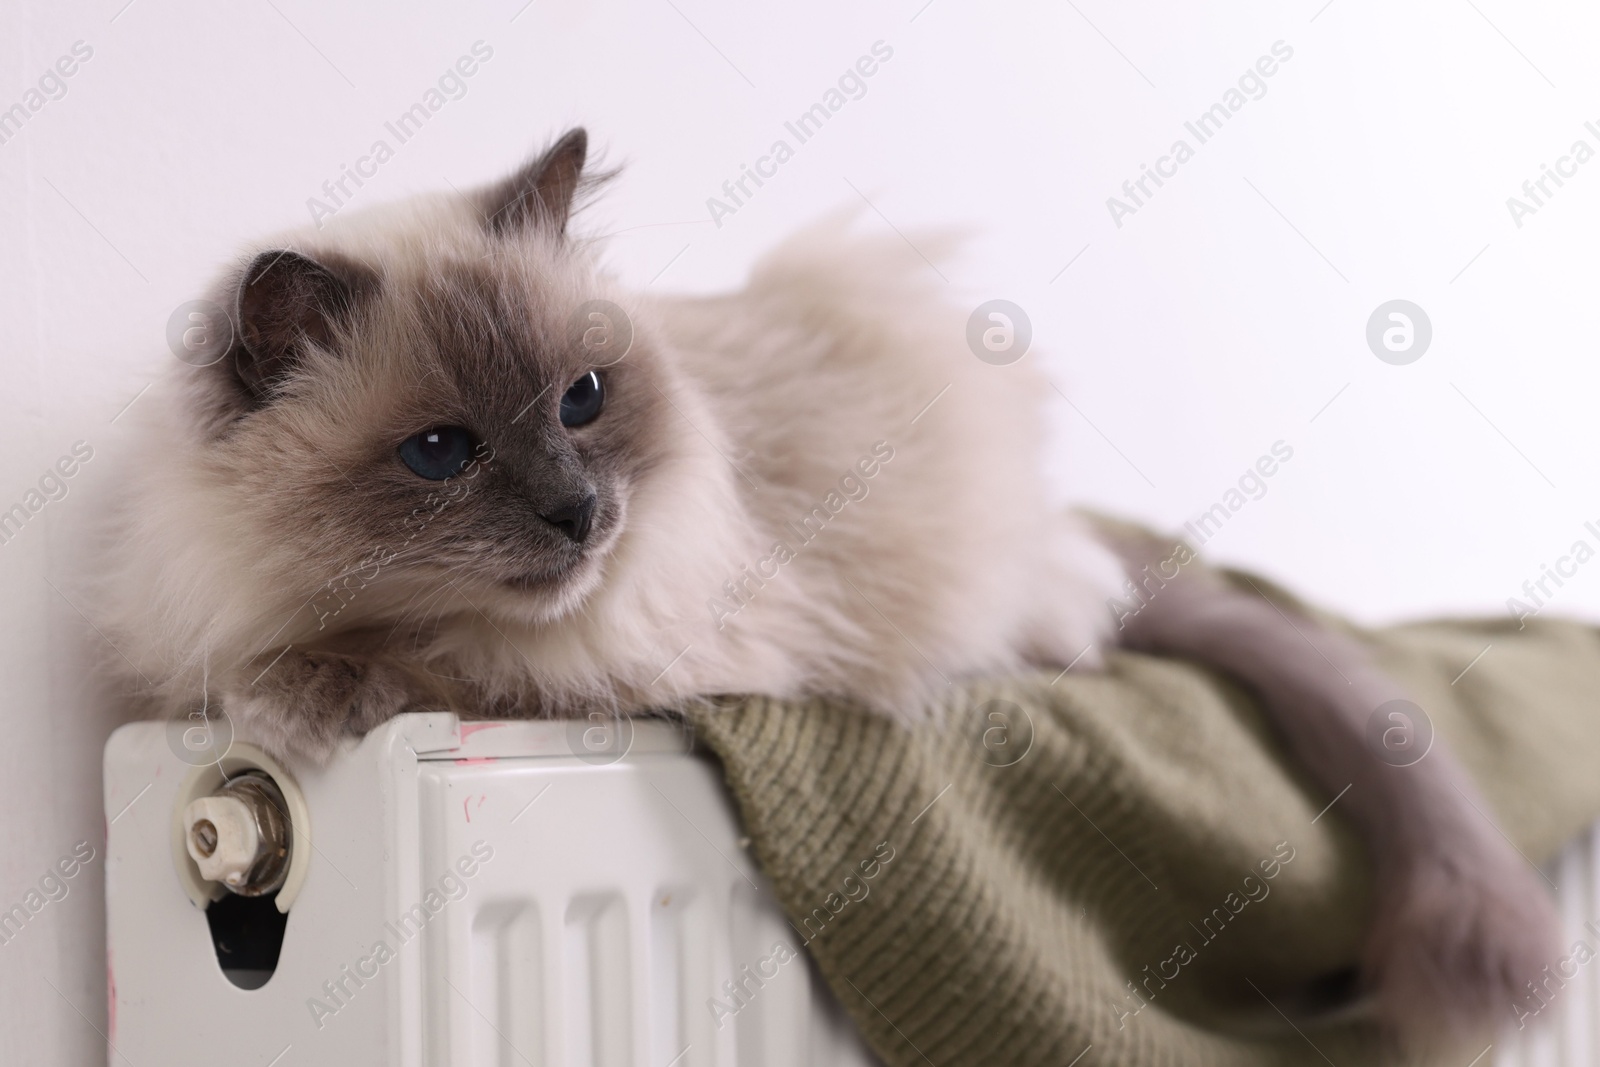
(1123, 860)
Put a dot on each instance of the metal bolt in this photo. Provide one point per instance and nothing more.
(204, 836)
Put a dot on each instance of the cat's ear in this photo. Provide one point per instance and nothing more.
(287, 302)
(542, 192)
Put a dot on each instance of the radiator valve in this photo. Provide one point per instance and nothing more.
(240, 835)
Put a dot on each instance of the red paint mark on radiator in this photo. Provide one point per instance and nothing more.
(111, 1002)
(473, 761)
(468, 729)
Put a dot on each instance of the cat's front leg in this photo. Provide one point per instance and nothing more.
(302, 702)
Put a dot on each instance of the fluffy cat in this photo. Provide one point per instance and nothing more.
(420, 472)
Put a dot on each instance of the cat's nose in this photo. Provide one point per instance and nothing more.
(572, 517)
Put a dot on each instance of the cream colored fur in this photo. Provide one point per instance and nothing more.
(951, 565)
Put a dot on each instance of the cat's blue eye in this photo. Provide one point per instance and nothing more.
(438, 453)
(582, 401)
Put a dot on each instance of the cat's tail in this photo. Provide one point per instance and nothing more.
(1460, 920)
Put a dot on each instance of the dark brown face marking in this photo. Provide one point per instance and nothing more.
(287, 301)
(341, 358)
(542, 192)
(499, 360)
(455, 341)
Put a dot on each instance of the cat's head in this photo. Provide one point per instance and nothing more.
(436, 396)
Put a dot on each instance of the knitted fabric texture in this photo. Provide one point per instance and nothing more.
(1123, 859)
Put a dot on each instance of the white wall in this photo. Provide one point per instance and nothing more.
(1205, 328)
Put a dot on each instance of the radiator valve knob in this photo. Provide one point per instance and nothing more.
(239, 835)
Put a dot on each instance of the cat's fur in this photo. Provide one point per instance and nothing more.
(808, 486)
(728, 428)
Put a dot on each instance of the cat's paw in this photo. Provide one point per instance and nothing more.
(1457, 934)
(304, 703)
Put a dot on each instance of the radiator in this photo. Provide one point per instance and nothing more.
(533, 894)
(486, 894)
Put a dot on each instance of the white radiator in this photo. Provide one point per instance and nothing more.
(533, 894)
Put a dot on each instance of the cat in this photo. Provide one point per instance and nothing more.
(439, 459)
